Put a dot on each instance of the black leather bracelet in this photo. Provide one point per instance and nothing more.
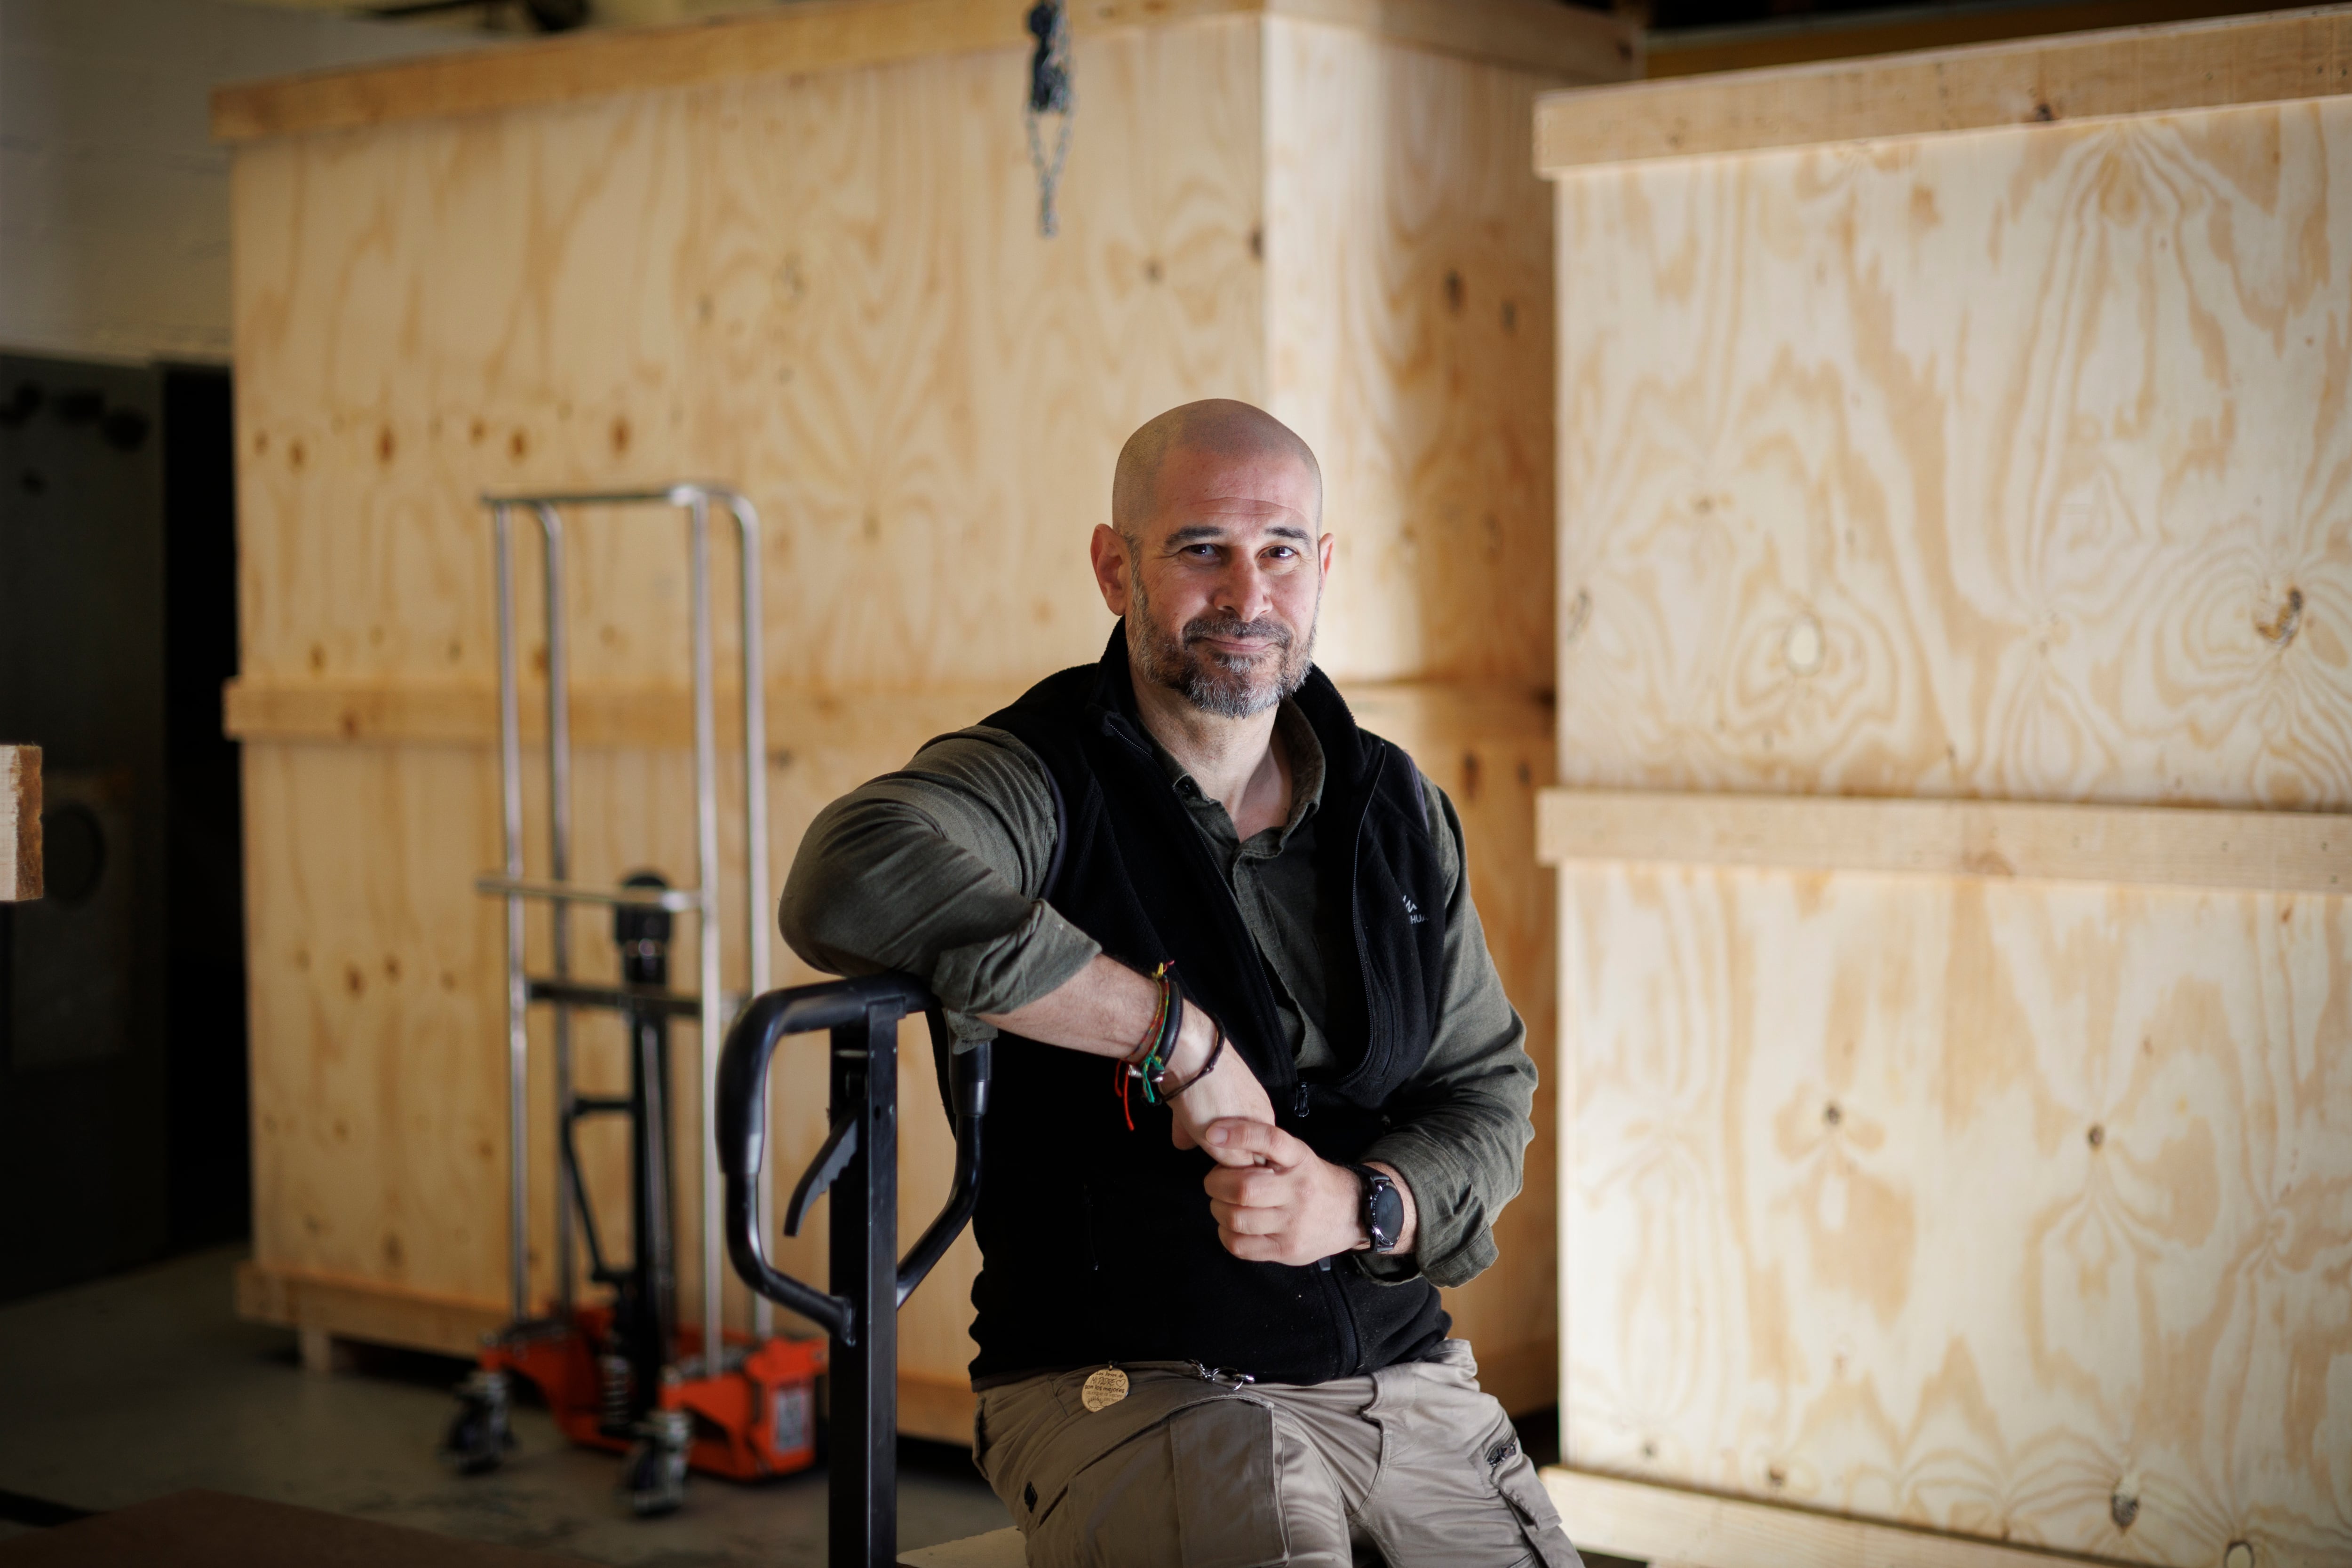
(1172, 1024)
(1216, 1050)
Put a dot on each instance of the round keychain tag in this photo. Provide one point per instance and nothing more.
(1104, 1388)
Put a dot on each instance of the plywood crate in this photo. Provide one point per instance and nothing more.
(798, 251)
(1956, 727)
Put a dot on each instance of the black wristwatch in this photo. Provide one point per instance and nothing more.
(1383, 1209)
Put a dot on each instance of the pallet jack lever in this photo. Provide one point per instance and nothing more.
(969, 1105)
(869, 1007)
(830, 1162)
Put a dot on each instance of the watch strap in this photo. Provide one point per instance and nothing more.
(1373, 1182)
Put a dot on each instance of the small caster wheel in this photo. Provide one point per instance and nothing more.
(478, 1435)
(655, 1474)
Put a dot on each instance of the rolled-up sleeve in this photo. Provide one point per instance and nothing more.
(937, 870)
(1458, 1131)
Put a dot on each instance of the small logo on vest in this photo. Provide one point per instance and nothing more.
(1413, 912)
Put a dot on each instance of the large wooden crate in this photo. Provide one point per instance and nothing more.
(798, 252)
(1971, 429)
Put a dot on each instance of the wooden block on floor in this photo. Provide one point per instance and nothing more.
(997, 1548)
(215, 1530)
(20, 823)
(323, 1355)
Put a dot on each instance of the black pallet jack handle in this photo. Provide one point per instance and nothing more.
(859, 1163)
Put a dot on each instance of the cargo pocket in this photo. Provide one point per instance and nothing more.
(1193, 1489)
(1515, 1478)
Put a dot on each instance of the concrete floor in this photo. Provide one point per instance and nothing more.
(120, 1391)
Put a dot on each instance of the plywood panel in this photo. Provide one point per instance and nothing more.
(379, 1087)
(1964, 1203)
(2011, 464)
(1405, 268)
(828, 288)
(1490, 750)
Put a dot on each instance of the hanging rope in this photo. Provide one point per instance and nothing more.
(1050, 93)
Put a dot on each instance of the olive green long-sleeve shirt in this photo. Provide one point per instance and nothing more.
(937, 870)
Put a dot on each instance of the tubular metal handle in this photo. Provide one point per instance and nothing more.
(876, 1003)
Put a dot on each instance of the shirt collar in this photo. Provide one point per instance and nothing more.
(1307, 766)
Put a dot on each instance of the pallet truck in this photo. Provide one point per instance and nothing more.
(868, 1281)
(625, 1374)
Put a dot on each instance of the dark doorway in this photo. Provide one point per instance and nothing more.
(211, 1137)
(122, 1118)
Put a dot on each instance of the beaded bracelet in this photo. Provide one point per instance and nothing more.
(1150, 1062)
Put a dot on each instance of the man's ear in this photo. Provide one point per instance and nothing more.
(1323, 549)
(1111, 566)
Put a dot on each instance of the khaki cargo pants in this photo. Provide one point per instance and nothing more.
(1413, 1466)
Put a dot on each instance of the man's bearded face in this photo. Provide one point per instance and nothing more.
(1222, 682)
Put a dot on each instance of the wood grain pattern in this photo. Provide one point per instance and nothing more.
(1403, 269)
(1490, 750)
(1965, 1204)
(1673, 1527)
(829, 289)
(2286, 55)
(2276, 851)
(20, 823)
(378, 1087)
(2012, 465)
(836, 35)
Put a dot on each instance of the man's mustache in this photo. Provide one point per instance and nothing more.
(1205, 626)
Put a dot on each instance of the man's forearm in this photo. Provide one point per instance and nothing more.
(1103, 1010)
(1106, 1009)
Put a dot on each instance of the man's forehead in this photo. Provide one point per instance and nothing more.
(1209, 489)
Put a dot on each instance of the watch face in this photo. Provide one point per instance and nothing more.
(1384, 1215)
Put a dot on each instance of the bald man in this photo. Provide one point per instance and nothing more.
(1216, 1207)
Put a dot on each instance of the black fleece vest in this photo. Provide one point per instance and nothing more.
(1097, 1241)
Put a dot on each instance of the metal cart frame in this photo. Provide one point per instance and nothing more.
(559, 988)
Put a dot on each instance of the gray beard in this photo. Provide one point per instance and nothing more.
(1217, 684)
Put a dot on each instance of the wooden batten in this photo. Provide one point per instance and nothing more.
(2128, 846)
(1675, 1528)
(1566, 42)
(2087, 76)
(20, 823)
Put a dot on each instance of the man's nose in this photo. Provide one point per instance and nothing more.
(1244, 590)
